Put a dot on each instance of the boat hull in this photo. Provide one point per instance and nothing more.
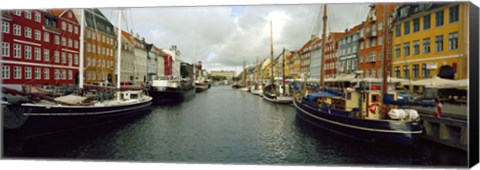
(200, 87)
(40, 120)
(280, 100)
(382, 131)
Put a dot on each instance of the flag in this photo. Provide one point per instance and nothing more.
(438, 113)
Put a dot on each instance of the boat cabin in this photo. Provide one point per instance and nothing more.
(131, 95)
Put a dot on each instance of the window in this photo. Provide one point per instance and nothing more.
(69, 15)
(416, 25)
(5, 49)
(426, 22)
(397, 30)
(361, 45)
(93, 35)
(453, 14)
(38, 54)
(37, 17)
(17, 72)
(397, 51)
(70, 60)
(64, 74)
(64, 26)
(361, 59)
(380, 40)
(56, 56)
(28, 14)
(425, 71)
(28, 32)
(64, 58)
(380, 26)
(17, 12)
(64, 41)
(70, 28)
(38, 73)
(439, 43)
(406, 28)
(75, 30)
(57, 74)
(426, 45)
(354, 50)
(416, 47)
(415, 71)
(70, 43)
(57, 39)
(453, 41)
(367, 44)
(28, 72)
(5, 27)
(46, 37)
(28, 52)
(94, 50)
(46, 55)
(38, 35)
(70, 74)
(361, 32)
(406, 49)
(406, 72)
(374, 42)
(5, 72)
(75, 44)
(17, 50)
(17, 30)
(75, 59)
(439, 18)
(46, 73)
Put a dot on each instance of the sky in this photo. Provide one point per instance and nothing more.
(222, 37)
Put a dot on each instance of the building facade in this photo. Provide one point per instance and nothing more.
(99, 49)
(228, 74)
(348, 51)
(140, 66)
(331, 55)
(160, 61)
(39, 47)
(430, 40)
(305, 53)
(372, 40)
(128, 58)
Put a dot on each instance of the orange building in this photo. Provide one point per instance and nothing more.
(372, 40)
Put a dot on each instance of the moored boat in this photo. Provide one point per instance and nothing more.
(166, 90)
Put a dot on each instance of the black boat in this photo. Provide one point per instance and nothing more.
(167, 90)
(337, 116)
(33, 119)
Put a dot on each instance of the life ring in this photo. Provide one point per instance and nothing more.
(374, 107)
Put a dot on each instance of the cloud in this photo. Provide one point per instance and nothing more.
(224, 36)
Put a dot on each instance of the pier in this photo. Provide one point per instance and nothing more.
(451, 129)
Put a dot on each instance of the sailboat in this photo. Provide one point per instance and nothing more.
(43, 116)
(359, 112)
(201, 84)
(273, 92)
(244, 86)
(257, 88)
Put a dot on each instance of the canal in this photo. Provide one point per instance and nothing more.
(224, 125)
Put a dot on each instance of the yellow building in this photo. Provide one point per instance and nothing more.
(99, 50)
(430, 39)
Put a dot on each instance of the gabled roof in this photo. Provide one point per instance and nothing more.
(336, 35)
(56, 12)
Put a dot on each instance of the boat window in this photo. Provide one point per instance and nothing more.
(133, 96)
(349, 96)
(375, 98)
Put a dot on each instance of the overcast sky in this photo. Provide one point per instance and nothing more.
(223, 36)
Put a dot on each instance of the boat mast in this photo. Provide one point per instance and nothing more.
(244, 74)
(323, 45)
(384, 58)
(283, 71)
(271, 54)
(119, 46)
(82, 30)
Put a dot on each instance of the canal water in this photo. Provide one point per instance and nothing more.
(225, 126)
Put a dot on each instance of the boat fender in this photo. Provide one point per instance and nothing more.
(374, 107)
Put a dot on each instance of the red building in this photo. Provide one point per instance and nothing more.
(331, 55)
(168, 61)
(39, 48)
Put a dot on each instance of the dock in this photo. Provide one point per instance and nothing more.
(451, 129)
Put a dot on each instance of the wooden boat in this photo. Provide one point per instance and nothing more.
(361, 111)
(40, 114)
